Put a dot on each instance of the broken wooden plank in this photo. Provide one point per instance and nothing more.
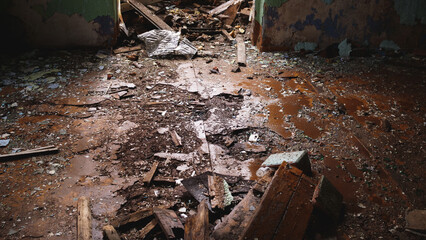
(164, 179)
(223, 7)
(110, 233)
(234, 224)
(232, 12)
(241, 52)
(127, 49)
(145, 230)
(197, 226)
(299, 210)
(227, 35)
(177, 140)
(9, 156)
(216, 192)
(285, 208)
(132, 218)
(169, 223)
(148, 176)
(84, 219)
(145, 12)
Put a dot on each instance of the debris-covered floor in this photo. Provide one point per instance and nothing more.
(116, 117)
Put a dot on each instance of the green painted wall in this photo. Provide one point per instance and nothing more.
(89, 9)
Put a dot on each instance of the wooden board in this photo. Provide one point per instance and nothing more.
(234, 224)
(169, 222)
(127, 49)
(216, 192)
(299, 211)
(241, 52)
(84, 219)
(197, 226)
(145, 230)
(231, 12)
(149, 175)
(146, 13)
(223, 7)
(132, 218)
(285, 208)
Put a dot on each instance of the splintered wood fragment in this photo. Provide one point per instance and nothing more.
(285, 209)
(169, 223)
(216, 192)
(227, 35)
(145, 230)
(148, 177)
(234, 223)
(132, 218)
(197, 226)
(223, 7)
(49, 149)
(232, 12)
(127, 49)
(164, 179)
(110, 232)
(146, 13)
(84, 219)
(177, 140)
(241, 51)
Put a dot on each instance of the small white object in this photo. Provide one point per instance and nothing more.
(156, 193)
(182, 210)
(254, 137)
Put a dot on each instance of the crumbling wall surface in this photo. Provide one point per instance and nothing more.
(60, 23)
(282, 24)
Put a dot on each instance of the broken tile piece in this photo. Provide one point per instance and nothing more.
(298, 159)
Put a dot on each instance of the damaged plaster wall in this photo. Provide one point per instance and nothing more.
(282, 24)
(60, 23)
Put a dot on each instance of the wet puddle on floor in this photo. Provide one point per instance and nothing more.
(276, 121)
(307, 127)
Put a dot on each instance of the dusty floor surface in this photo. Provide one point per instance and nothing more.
(361, 119)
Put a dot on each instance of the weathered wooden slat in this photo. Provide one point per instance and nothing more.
(154, 19)
(169, 222)
(149, 175)
(241, 52)
(132, 218)
(145, 230)
(84, 219)
(285, 208)
(197, 226)
(234, 224)
(296, 219)
(216, 192)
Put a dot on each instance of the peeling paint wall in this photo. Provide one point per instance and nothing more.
(60, 23)
(282, 24)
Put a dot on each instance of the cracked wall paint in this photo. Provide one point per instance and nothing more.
(281, 24)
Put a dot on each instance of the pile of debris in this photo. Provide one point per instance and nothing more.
(282, 204)
(178, 23)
